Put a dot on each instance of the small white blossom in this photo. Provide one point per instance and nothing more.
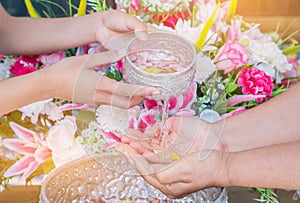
(112, 119)
(221, 86)
(46, 107)
(4, 70)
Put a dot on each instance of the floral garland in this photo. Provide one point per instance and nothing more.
(245, 68)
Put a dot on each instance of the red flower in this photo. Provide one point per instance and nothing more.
(24, 65)
(256, 82)
(170, 20)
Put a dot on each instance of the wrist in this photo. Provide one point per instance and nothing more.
(49, 83)
(46, 85)
(218, 137)
(222, 166)
(95, 22)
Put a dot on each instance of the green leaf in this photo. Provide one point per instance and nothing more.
(97, 6)
(267, 195)
(231, 87)
(291, 50)
(278, 91)
(45, 3)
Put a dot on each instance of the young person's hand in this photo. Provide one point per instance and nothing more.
(113, 24)
(75, 79)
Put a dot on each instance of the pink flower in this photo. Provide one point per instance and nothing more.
(83, 50)
(234, 112)
(24, 65)
(119, 66)
(231, 56)
(32, 145)
(177, 104)
(293, 61)
(292, 73)
(256, 82)
(146, 120)
(48, 59)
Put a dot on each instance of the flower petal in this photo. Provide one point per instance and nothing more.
(110, 137)
(175, 104)
(20, 166)
(25, 134)
(75, 106)
(30, 169)
(42, 154)
(189, 96)
(19, 146)
(151, 104)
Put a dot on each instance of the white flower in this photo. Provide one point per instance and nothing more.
(268, 53)
(61, 141)
(204, 67)
(112, 119)
(185, 29)
(261, 49)
(4, 70)
(42, 107)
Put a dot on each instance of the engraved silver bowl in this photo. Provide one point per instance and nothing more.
(171, 84)
(110, 178)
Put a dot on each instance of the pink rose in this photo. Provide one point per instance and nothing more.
(231, 56)
(24, 65)
(256, 82)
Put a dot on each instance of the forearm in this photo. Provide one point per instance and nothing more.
(274, 122)
(276, 166)
(20, 91)
(42, 35)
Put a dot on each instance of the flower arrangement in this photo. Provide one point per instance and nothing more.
(244, 68)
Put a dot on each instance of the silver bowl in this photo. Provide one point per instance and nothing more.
(163, 43)
(110, 178)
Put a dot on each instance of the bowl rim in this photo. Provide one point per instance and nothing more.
(189, 67)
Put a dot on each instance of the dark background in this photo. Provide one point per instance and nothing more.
(17, 7)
